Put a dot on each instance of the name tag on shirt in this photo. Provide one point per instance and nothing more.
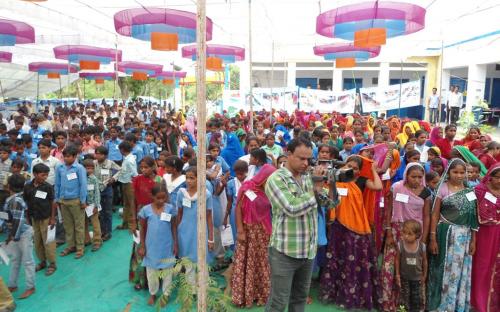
(342, 191)
(186, 202)
(41, 194)
(4, 215)
(158, 149)
(490, 197)
(152, 151)
(165, 216)
(90, 187)
(402, 198)
(471, 196)
(33, 156)
(104, 171)
(39, 136)
(71, 176)
(251, 195)
(411, 261)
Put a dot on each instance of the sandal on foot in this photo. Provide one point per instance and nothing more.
(51, 269)
(40, 266)
(137, 287)
(27, 293)
(96, 247)
(79, 254)
(67, 251)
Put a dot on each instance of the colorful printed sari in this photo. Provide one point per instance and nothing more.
(485, 293)
(449, 282)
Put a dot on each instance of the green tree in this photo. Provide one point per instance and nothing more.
(234, 76)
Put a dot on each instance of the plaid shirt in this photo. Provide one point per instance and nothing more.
(93, 191)
(15, 206)
(295, 214)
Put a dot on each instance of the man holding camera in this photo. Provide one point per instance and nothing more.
(294, 198)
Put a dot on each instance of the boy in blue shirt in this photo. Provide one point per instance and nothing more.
(128, 171)
(112, 145)
(151, 147)
(71, 195)
(137, 150)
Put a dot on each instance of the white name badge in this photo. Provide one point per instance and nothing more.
(471, 196)
(158, 149)
(382, 202)
(186, 202)
(90, 187)
(342, 191)
(165, 216)
(71, 176)
(152, 151)
(4, 215)
(411, 261)
(41, 194)
(402, 198)
(39, 136)
(251, 195)
(104, 171)
(490, 197)
(33, 156)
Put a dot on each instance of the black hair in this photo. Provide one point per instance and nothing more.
(59, 133)
(280, 157)
(88, 163)
(125, 146)
(270, 136)
(130, 137)
(355, 158)
(159, 188)
(3, 127)
(300, 141)
(251, 138)
(26, 138)
(45, 142)
(431, 175)
(475, 164)
(192, 162)
(188, 152)
(102, 150)
(448, 127)
(259, 154)
(305, 135)
(174, 162)
(16, 183)
(455, 163)
(17, 163)
(41, 168)
(193, 170)
(70, 150)
(492, 145)
(359, 132)
(148, 161)
(209, 157)
(5, 149)
(420, 132)
(348, 139)
(437, 162)
(241, 166)
(212, 146)
(410, 154)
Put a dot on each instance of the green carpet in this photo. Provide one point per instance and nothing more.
(97, 282)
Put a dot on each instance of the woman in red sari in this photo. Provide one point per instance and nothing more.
(251, 271)
(471, 139)
(485, 292)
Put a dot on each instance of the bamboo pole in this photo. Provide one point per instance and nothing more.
(250, 62)
(201, 114)
(440, 84)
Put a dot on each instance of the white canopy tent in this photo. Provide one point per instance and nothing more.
(290, 24)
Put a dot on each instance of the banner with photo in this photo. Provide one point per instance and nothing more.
(381, 99)
(327, 101)
(282, 99)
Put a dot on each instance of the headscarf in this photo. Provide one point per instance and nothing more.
(412, 209)
(470, 158)
(191, 138)
(258, 210)
(232, 152)
(358, 147)
(487, 211)
(434, 136)
(403, 137)
(415, 125)
(444, 177)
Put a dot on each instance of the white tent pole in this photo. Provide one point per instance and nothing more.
(37, 89)
(201, 114)
(272, 81)
(250, 62)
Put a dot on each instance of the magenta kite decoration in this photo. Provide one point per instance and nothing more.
(15, 32)
(5, 57)
(165, 28)
(397, 18)
(345, 50)
(139, 67)
(79, 53)
(44, 68)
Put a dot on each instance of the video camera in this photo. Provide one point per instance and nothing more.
(335, 173)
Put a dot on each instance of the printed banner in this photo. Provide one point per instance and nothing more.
(281, 99)
(381, 99)
(327, 101)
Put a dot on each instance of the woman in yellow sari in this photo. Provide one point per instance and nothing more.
(402, 138)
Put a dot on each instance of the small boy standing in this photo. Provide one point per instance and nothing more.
(20, 237)
(39, 195)
(473, 170)
(129, 170)
(93, 205)
(5, 164)
(45, 158)
(71, 194)
(347, 151)
(151, 147)
(411, 266)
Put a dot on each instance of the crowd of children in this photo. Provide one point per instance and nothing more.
(418, 226)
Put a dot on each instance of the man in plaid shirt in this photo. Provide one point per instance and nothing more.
(294, 199)
(20, 237)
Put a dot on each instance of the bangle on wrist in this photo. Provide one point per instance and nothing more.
(210, 241)
(433, 232)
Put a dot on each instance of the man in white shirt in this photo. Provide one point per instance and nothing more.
(454, 105)
(433, 104)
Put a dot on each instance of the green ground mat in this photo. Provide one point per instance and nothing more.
(98, 282)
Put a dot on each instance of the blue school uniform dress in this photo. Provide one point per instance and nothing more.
(174, 187)
(232, 192)
(159, 239)
(217, 216)
(223, 164)
(187, 229)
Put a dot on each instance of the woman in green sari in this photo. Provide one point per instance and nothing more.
(463, 153)
(452, 241)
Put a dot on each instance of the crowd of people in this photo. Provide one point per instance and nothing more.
(417, 226)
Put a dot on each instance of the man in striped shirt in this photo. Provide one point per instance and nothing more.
(294, 199)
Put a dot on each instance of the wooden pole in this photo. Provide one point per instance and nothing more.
(272, 81)
(37, 89)
(400, 87)
(3, 96)
(440, 84)
(201, 114)
(250, 62)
